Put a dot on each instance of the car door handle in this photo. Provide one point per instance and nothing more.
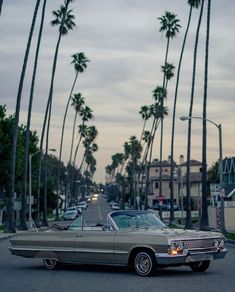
(79, 235)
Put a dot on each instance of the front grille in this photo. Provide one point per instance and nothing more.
(199, 243)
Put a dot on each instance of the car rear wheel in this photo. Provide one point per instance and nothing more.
(50, 264)
(200, 266)
(145, 263)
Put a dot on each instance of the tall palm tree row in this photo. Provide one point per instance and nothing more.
(65, 20)
(170, 26)
(27, 133)
(204, 222)
(10, 226)
(192, 4)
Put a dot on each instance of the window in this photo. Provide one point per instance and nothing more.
(156, 185)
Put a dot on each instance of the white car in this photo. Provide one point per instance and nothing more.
(115, 206)
(75, 208)
(82, 205)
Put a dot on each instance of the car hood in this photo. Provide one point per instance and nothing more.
(180, 234)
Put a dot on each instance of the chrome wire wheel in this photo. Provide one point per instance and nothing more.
(50, 264)
(144, 264)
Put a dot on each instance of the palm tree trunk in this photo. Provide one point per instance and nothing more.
(27, 134)
(10, 226)
(161, 138)
(171, 220)
(204, 223)
(188, 222)
(73, 133)
(1, 2)
(37, 215)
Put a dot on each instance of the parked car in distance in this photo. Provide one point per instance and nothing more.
(130, 237)
(115, 206)
(75, 208)
(165, 207)
(70, 215)
(83, 205)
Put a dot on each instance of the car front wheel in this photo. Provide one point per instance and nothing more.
(50, 264)
(145, 263)
(200, 266)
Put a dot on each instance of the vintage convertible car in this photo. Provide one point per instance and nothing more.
(136, 238)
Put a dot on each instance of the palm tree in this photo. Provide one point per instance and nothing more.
(79, 61)
(27, 133)
(86, 115)
(188, 222)
(193, 4)
(65, 20)
(204, 222)
(10, 226)
(77, 103)
(170, 25)
(145, 114)
(91, 134)
(168, 71)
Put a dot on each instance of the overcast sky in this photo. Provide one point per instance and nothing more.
(122, 40)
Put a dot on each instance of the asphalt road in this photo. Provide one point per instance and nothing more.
(29, 275)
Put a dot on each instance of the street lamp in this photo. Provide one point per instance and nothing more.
(219, 127)
(30, 225)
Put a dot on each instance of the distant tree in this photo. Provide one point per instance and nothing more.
(213, 173)
(6, 130)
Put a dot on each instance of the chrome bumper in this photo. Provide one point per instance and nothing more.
(189, 257)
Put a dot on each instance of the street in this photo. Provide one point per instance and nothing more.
(21, 274)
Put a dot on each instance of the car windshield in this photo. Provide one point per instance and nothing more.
(133, 219)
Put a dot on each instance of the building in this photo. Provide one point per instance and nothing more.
(229, 178)
(179, 185)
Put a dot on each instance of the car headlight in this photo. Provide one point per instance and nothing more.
(181, 245)
(219, 243)
(222, 243)
(176, 247)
